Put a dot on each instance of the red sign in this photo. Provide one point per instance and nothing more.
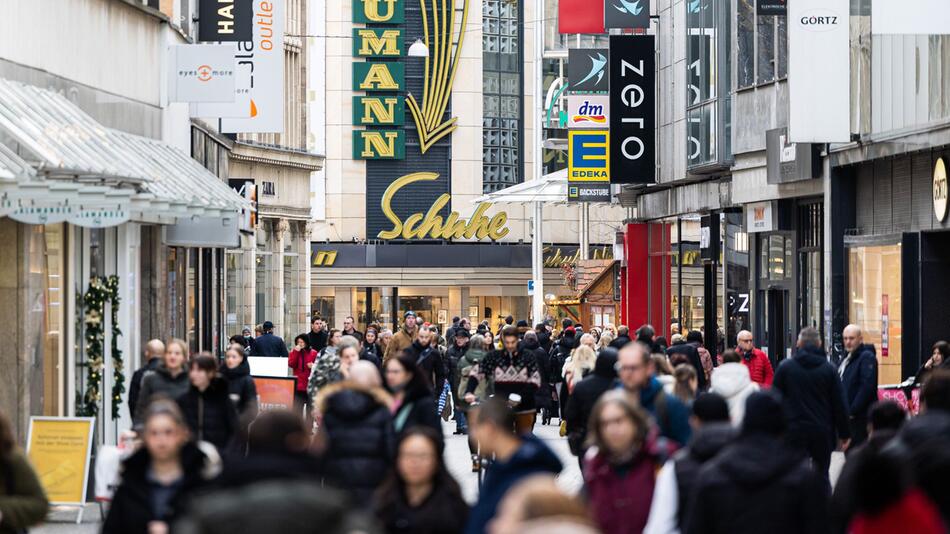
(275, 393)
(580, 16)
(885, 323)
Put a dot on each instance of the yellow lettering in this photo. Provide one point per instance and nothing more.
(385, 44)
(324, 258)
(379, 77)
(432, 223)
(375, 145)
(371, 10)
(409, 231)
(497, 228)
(379, 110)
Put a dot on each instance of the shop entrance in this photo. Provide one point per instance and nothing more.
(775, 337)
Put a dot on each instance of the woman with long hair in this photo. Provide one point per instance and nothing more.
(372, 351)
(413, 402)
(168, 380)
(420, 496)
(22, 500)
(207, 405)
(158, 479)
(580, 364)
(301, 360)
(939, 357)
(685, 383)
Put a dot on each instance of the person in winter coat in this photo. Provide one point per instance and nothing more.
(317, 337)
(758, 483)
(586, 394)
(543, 399)
(760, 368)
(635, 369)
(429, 358)
(939, 358)
(544, 336)
(402, 339)
(858, 372)
(695, 338)
(372, 351)
(330, 366)
(516, 457)
(621, 465)
(357, 432)
(269, 344)
(349, 328)
(301, 360)
(241, 388)
(537, 504)
(207, 405)
(23, 502)
(622, 339)
(691, 354)
(674, 482)
(813, 401)
(732, 381)
(158, 480)
(169, 380)
(420, 496)
(154, 350)
(413, 403)
(453, 355)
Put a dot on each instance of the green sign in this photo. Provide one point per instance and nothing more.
(371, 77)
(379, 144)
(377, 42)
(378, 12)
(379, 110)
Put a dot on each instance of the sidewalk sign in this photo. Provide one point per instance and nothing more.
(275, 393)
(59, 449)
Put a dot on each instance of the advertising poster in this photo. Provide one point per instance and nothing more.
(59, 448)
(275, 393)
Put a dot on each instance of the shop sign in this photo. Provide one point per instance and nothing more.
(324, 258)
(275, 393)
(633, 109)
(369, 42)
(261, 60)
(225, 20)
(580, 16)
(42, 214)
(379, 11)
(431, 225)
(709, 237)
(587, 111)
(247, 189)
(771, 7)
(201, 73)
(99, 217)
(940, 190)
(790, 162)
(587, 70)
(59, 449)
(379, 144)
(588, 192)
(885, 327)
(759, 217)
(557, 257)
(588, 156)
(626, 14)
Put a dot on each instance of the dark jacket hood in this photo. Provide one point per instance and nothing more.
(710, 439)
(530, 345)
(242, 370)
(566, 341)
(757, 460)
(351, 401)
(605, 366)
(810, 357)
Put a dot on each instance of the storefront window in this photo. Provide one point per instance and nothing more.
(603, 315)
(191, 292)
(234, 305)
(261, 302)
(874, 284)
(323, 306)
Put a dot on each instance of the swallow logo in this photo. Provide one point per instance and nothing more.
(695, 6)
(631, 8)
(598, 63)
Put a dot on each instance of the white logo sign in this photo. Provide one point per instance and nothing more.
(940, 190)
(201, 73)
(588, 111)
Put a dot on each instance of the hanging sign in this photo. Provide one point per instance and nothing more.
(940, 190)
(587, 70)
(99, 217)
(239, 107)
(580, 16)
(771, 7)
(588, 169)
(885, 327)
(632, 109)
(42, 214)
(201, 73)
(225, 20)
(59, 449)
(587, 111)
(626, 14)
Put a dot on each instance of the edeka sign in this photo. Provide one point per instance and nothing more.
(431, 225)
(632, 109)
(588, 156)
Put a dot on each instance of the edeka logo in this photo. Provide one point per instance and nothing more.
(820, 20)
(431, 225)
(588, 156)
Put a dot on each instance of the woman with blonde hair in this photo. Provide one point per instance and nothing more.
(168, 380)
(605, 340)
(580, 363)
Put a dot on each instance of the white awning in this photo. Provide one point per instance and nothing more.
(54, 158)
(550, 189)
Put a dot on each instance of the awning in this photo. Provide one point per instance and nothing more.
(58, 164)
(550, 189)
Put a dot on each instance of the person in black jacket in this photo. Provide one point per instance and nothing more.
(560, 352)
(429, 359)
(207, 405)
(544, 398)
(420, 496)
(585, 396)
(858, 371)
(691, 354)
(623, 337)
(241, 388)
(157, 481)
(358, 432)
(758, 483)
(269, 344)
(154, 350)
(318, 336)
(372, 351)
(453, 355)
(413, 403)
(813, 401)
(169, 380)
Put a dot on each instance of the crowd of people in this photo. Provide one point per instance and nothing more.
(669, 438)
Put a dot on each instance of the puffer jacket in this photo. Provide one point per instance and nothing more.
(360, 443)
(160, 383)
(466, 365)
(210, 414)
(241, 389)
(732, 381)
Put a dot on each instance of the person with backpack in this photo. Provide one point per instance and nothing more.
(635, 369)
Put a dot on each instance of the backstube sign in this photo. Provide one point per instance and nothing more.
(632, 109)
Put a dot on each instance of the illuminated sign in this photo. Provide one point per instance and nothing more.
(431, 225)
(324, 258)
(588, 158)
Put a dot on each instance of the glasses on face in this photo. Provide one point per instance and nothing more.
(628, 368)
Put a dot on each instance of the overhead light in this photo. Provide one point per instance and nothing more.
(418, 49)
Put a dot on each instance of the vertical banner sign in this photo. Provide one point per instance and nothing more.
(588, 166)
(587, 70)
(819, 91)
(225, 20)
(885, 327)
(625, 14)
(263, 59)
(580, 16)
(632, 109)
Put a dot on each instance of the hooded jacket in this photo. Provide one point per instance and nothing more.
(812, 397)
(358, 426)
(160, 383)
(400, 341)
(533, 457)
(559, 354)
(210, 414)
(757, 485)
(584, 397)
(859, 380)
(241, 389)
(732, 381)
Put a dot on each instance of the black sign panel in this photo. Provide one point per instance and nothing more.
(588, 192)
(626, 14)
(632, 109)
(225, 20)
(772, 7)
(587, 70)
(709, 238)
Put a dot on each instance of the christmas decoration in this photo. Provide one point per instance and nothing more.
(102, 291)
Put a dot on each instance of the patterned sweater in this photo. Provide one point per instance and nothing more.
(510, 373)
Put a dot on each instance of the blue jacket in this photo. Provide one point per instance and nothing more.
(860, 381)
(533, 457)
(269, 345)
(674, 423)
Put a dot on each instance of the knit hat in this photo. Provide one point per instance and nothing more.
(463, 333)
(711, 408)
(763, 414)
(409, 313)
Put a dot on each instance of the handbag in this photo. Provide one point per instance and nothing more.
(563, 430)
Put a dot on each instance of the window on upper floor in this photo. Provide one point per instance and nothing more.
(708, 74)
(502, 87)
(762, 46)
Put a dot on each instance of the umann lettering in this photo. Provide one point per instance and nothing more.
(632, 96)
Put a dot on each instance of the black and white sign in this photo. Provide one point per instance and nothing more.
(772, 7)
(624, 14)
(592, 192)
(587, 70)
(225, 20)
(632, 109)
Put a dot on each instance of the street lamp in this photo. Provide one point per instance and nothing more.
(418, 49)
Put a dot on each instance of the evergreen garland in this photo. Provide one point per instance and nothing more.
(101, 290)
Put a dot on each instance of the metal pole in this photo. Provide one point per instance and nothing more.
(537, 243)
(585, 231)
(537, 264)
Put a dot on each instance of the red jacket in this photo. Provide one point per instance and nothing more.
(620, 504)
(760, 368)
(298, 362)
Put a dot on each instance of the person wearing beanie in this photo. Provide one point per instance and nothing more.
(674, 483)
(758, 483)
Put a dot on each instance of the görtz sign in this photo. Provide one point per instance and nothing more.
(940, 190)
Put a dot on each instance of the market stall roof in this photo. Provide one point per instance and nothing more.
(54, 153)
(550, 189)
